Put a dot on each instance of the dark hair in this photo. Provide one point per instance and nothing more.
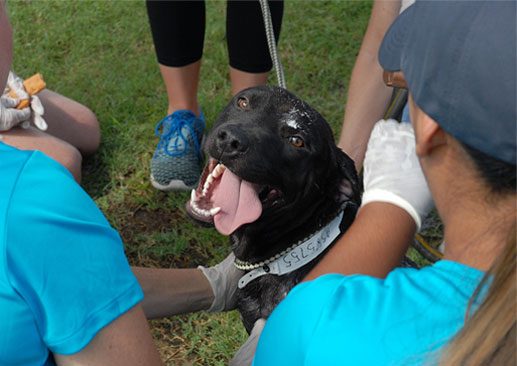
(488, 337)
(498, 175)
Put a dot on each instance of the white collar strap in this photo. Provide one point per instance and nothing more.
(294, 257)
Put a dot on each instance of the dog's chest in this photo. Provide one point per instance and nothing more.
(260, 296)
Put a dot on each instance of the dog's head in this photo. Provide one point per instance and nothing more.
(272, 160)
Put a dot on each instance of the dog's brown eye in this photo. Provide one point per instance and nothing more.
(243, 103)
(296, 141)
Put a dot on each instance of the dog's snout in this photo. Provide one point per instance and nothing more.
(231, 141)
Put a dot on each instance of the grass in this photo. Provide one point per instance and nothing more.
(101, 54)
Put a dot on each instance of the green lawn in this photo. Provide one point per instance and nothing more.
(101, 54)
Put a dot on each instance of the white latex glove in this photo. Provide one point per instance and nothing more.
(392, 172)
(223, 279)
(244, 356)
(15, 83)
(9, 115)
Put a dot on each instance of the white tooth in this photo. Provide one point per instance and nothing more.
(194, 205)
(200, 211)
(205, 213)
(219, 169)
(215, 210)
(193, 196)
(207, 184)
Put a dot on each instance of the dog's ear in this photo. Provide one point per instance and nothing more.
(351, 186)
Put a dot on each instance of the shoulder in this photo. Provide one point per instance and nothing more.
(45, 183)
(402, 289)
(367, 320)
(62, 257)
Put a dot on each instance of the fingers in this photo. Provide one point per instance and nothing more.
(36, 106)
(10, 117)
(15, 83)
(9, 102)
(19, 115)
(223, 279)
(392, 172)
(38, 111)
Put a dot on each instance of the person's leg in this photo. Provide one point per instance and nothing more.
(71, 121)
(73, 130)
(34, 139)
(181, 84)
(242, 80)
(178, 29)
(248, 50)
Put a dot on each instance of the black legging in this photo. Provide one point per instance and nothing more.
(178, 29)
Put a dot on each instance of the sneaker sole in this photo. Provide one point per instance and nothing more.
(174, 185)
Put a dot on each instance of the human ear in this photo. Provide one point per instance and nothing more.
(429, 135)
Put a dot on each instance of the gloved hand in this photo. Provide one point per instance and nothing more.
(223, 279)
(9, 115)
(392, 172)
(15, 83)
(244, 356)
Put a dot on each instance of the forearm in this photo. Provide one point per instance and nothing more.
(368, 97)
(173, 291)
(373, 245)
(367, 100)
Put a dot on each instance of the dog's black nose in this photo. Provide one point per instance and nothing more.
(231, 141)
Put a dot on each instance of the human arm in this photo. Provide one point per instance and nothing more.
(173, 291)
(368, 97)
(373, 245)
(126, 341)
(396, 198)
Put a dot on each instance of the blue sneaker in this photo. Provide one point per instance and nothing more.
(176, 163)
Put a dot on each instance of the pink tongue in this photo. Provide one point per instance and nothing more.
(239, 203)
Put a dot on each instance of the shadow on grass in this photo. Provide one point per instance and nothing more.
(96, 176)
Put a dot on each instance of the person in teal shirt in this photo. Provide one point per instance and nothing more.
(67, 293)
(64, 274)
(457, 59)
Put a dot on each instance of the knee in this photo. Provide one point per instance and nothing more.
(71, 159)
(92, 138)
(68, 156)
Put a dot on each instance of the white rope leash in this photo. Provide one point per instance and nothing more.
(270, 35)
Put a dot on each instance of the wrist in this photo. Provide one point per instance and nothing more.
(374, 244)
(214, 300)
(381, 195)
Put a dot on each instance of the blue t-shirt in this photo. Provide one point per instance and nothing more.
(63, 272)
(360, 320)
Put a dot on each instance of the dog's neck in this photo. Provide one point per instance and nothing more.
(295, 257)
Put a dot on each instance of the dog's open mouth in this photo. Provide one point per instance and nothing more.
(227, 201)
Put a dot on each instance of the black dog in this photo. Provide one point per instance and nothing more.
(274, 183)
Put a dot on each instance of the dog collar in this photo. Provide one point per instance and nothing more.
(293, 257)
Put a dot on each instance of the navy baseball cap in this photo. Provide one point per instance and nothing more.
(459, 61)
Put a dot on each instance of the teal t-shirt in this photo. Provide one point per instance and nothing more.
(360, 320)
(63, 272)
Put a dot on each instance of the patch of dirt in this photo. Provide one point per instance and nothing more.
(143, 220)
